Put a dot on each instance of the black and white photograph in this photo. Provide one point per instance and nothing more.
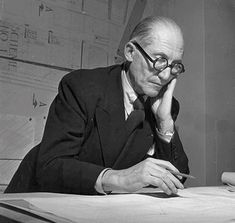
(117, 111)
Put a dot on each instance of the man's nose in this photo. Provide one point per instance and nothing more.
(165, 74)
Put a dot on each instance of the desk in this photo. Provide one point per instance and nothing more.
(196, 204)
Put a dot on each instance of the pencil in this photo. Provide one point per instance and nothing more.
(181, 174)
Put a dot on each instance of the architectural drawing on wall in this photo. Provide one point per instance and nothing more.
(37, 103)
(28, 59)
(40, 78)
(39, 43)
(44, 8)
(25, 101)
(43, 11)
(70, 5)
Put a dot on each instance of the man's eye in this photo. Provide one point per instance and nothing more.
(157, 57)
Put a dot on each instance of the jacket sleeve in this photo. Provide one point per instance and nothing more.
(58, 166)
(173, 151)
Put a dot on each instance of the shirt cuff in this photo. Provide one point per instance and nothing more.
(98, 184)
(167, 136)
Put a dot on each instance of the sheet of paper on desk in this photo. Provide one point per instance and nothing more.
(229, 179)
(210, 204)
(23, 211)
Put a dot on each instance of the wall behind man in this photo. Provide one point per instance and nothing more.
(220, 88)
(190, 89)
(206, 91)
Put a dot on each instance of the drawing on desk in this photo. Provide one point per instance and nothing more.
(205, 204)
(23, 207)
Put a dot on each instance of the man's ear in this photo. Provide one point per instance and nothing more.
(129, 51)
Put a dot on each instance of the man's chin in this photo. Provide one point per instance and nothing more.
(152, 93)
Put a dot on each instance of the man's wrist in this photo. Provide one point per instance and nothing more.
(111, 180)
(166, 126)
(99, 185)
(165, 130)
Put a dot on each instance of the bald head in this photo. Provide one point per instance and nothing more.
(152, 28)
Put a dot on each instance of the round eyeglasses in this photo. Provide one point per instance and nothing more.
(161, 63)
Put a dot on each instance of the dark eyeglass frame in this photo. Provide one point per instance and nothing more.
(143, 52)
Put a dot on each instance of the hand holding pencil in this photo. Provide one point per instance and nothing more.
(149, 172)
(181, 174)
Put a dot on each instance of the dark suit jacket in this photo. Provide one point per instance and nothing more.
(86, 132)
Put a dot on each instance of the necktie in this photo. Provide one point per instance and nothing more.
(138, 114)
(139, 103)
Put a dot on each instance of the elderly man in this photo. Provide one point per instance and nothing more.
(113, 128)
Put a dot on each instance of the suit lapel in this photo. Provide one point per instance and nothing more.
(137, 143)
(110, 117)
(121, 144)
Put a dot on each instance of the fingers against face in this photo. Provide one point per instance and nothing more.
(164, 99)
(168, 94)
(171, 86)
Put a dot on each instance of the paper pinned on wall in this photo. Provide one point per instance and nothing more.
(35, 44)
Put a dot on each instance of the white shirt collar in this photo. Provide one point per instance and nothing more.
(129, 94)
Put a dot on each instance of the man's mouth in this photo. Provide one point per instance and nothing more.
(157, 84)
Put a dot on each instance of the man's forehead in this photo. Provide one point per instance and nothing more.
(168, 33)
(167, 38)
